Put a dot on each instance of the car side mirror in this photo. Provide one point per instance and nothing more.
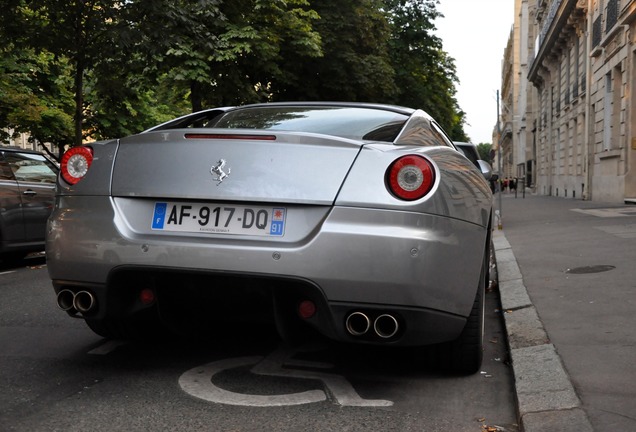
(485, 169)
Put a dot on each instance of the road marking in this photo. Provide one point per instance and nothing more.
(7, 272)
(623, 231)
(341, 390)
(609, 212)
(198, 382)
(107, 347)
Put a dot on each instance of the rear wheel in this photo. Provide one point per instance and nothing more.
(464, 355)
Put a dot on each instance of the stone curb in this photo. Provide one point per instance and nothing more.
(546, 398)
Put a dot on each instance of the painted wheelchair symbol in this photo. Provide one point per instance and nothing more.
(198, 382)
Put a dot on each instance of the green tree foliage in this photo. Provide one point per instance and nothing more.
(118, 67)
(276, 32)
(76, 30)
(121, 106)
(222, 53)
(484, 151)
(175, 40)
(35, 95)
(355, 65)
(425, 73)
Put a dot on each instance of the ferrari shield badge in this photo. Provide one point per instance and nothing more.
(218, 171)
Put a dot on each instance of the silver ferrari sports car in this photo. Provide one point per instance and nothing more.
(361, 222)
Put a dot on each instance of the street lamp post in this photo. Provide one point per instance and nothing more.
(500, 210)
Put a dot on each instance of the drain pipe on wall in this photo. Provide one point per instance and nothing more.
(588, 142)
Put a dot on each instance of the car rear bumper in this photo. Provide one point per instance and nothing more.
(424, 269)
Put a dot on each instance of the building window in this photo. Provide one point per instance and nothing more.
(612, 15)
(577, 56)
(553, 102)
(583, 82)
(568, 71)
(597, 31)
(617, 94)
(607, 113)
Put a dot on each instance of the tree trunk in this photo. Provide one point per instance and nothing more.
(78, 118)
(195, 96)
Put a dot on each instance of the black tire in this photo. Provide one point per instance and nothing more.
(464, 355)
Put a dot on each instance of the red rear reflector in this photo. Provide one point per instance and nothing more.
(75, 163)
(231, 136)
(306, 309)
(411, 177)
(147, 296)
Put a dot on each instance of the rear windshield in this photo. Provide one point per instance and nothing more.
(347, 122)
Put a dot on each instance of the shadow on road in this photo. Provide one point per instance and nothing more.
(31, 260)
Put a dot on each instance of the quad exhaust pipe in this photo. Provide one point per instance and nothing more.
(65, 300)
(358, 324)
(82, 301)
(384, 326)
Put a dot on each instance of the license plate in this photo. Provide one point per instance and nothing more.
(219, 219)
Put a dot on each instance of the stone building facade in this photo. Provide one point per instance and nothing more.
(505, 147)
(513, 140)
(21, 140)
(576, 128)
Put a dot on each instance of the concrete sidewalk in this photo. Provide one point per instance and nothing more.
(567, 279)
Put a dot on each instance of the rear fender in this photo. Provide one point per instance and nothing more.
(460, 191)
(98, 179)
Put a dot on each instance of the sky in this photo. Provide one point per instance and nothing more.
(475, 33)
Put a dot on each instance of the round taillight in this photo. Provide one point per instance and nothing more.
(410, 177)
(75, 163)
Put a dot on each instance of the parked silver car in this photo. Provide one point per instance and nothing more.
(27, 184)
(359, 221)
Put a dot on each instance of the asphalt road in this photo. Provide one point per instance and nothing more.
(55, 374)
